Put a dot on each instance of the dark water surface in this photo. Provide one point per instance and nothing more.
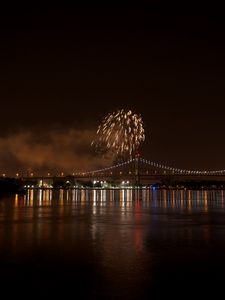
(114, 244)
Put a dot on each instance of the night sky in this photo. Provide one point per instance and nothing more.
(63, 69)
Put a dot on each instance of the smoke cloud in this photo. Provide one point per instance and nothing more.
(52, 151)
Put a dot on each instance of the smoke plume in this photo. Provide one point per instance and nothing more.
(50, 151)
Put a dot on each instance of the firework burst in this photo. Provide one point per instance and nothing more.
(120, 132)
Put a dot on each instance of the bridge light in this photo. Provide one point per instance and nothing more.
(3, 175)
(48, 174)
(31, 174)
(62, 174)
(17, 174)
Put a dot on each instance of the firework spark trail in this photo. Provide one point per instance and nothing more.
(120, 132)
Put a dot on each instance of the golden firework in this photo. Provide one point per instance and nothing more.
(120, 132)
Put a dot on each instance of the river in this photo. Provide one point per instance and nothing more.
(113, 244)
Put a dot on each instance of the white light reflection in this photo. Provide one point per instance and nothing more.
(103, 196)
(40, 195)
(94, 197)
(94, 207)
(122, 198)
(73, 195)
(129, 197)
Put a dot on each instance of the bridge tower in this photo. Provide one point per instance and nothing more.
(137, 173)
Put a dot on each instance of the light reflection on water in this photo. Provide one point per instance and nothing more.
(186, 199)
(126, 243)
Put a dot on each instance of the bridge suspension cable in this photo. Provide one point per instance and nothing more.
(181, 171)
(105, 169)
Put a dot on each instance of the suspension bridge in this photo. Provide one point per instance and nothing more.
(136, 170)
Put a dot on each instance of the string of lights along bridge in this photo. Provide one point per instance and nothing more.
(166, 169)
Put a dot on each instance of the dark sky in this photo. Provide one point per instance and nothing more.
(67, 67)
